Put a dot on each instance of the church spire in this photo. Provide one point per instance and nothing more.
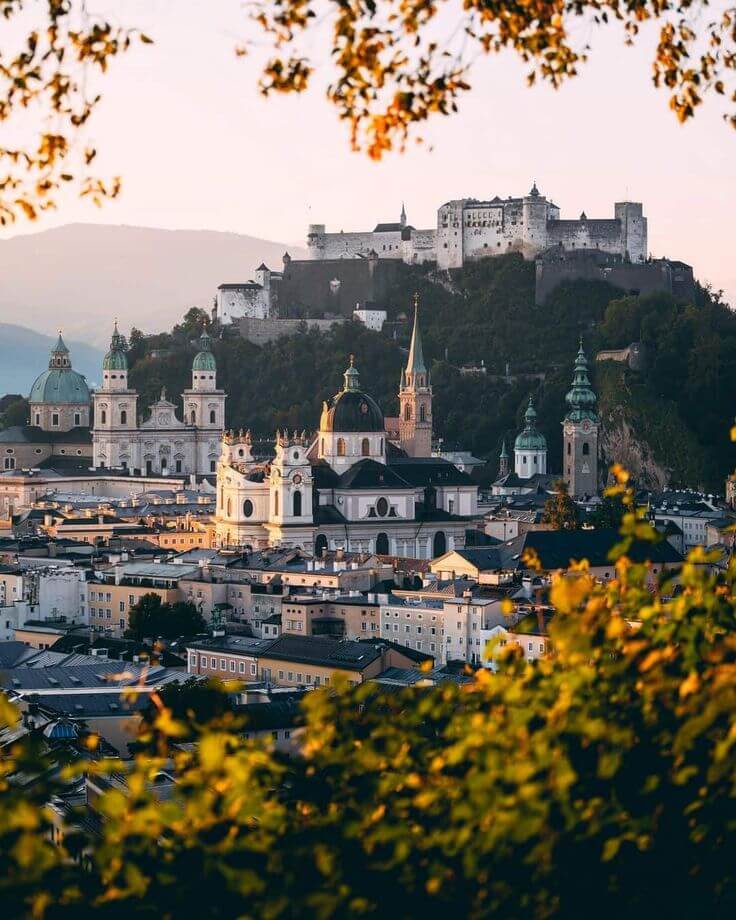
(581, 398)
(415, 363)
(402, 219)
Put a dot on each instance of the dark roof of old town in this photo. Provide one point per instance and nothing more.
(370, 474)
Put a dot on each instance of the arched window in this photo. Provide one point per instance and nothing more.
(439, 544)
(213, 417)
(569, 448)
(247, 508)
(103, 417)
(229, 507)
(297, 504)
(194, 417)
(382, 545)
(275, 502)
(123, 417)
(365, 447)
(320, 545)
(340, 447)
(407, 413)
(164, 464)
(586, 448)
(422, 414)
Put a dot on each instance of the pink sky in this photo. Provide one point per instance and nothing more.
(197, 147)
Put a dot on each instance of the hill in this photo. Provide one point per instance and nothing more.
(670, 421)
(81, 276)
(24, 354)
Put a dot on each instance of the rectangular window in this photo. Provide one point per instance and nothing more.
(213, 664)
(232, 665)
(281, 675)
(253, 669)
(223, 664)
(241, 667)
(203, 662)
(121, 605)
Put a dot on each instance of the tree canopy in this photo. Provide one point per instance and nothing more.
(393, 66)
(152, 617)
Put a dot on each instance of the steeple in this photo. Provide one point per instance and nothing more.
(415, 365)
(402, 219)
(415, 397)
(503, 460)
(580, 398)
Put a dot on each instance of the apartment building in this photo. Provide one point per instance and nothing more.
(352, 616)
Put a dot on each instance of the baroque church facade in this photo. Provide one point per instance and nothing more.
(350, 487)
(162, 443)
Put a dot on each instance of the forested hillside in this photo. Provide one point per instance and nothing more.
(486, 313)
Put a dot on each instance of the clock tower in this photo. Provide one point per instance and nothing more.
(580, 433)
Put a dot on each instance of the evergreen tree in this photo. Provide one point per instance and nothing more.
(560, 510)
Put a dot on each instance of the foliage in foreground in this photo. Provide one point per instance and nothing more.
(600, 778)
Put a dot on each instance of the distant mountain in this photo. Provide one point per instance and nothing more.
(24, 354)
(79, 277)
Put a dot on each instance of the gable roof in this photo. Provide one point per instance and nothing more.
(557, 548)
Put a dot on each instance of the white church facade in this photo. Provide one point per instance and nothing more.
(163, 443)
(349, 487)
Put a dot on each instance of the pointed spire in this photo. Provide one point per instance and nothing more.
(415, 363)
(504, 452)
(402, 219)
(60, 347)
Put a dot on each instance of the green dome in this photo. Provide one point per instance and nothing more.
(60, 384)
(530, 438)
(581, 399)
(115, 359)
(204, 360)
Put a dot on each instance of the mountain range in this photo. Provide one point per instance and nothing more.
(79, 277)
(24, 354)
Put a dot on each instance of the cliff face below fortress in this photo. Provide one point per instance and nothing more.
(646, 434)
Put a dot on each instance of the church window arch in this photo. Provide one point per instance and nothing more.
(276, 503)
(103, 417)
(382, 545)
(320, 545)
(407, 413)
(193, 417)
(213, 417)
(365, 447)
(422, 414)
(229, 507)
(586, 449)
(123, 417)
(164, 464)
(439, 544)
(341, 447)
(297, 504)
(569, 448)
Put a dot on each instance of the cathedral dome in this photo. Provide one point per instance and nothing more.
(351, 409)
(60, 384)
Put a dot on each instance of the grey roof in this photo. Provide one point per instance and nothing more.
(346, 655)
(89, 705)
(100, 676)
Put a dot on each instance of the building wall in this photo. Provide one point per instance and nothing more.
(261, 331)
(580, 468)
(59, 418)
(236, 301)
(109, 605)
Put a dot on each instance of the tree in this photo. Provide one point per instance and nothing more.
(197, 705)
(560, 510)
(608, 513)
(195, 321)
(151, 617)
(393, 66)
(602, 774)
(16, 412)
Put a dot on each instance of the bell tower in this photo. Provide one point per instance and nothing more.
(415, 398)
(290, 481)
(580, 433)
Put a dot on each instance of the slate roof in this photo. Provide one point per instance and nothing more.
(370, 474)
(556, 548)
(331, 653)
(89, 705)
(424, 471)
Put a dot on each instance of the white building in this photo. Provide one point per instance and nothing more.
(530, 447)
(371, 319)
(348, 488)
(162, 443)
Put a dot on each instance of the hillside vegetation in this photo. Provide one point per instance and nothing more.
(677, 408)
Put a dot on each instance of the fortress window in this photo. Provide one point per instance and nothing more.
(365, 447)
(340, 447)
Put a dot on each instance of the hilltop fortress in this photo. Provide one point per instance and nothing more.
(469, 229)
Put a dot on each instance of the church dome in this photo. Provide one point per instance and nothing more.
(115, 359)
(530, 438)
(351, 409)
(204, 360)
(60, 384)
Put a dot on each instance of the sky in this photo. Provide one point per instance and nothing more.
(197, 147)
